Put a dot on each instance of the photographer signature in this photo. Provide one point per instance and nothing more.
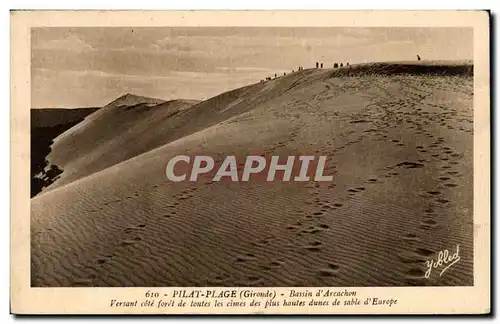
(444, 258)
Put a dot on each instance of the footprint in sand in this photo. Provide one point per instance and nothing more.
(372, 180)
(264, 242)
(272, 265)
(311, 230)
(134, 240)
(245, 258)
(410, 237)
(429, 210)
(103, 260)
(218, 280)
(326, 207)
(450, 185)
(428, 223)
(442, 201)
(277, 264)
(410, 165)
(314, 246)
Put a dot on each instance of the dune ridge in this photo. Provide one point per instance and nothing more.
(464, 68)
(113, 134)
(402, 148)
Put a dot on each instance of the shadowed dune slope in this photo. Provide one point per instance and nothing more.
(47, 124)
(49, 117)
(401, 146)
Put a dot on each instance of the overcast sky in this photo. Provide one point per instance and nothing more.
(84, 67)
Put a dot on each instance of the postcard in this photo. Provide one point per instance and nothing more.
(250, 162)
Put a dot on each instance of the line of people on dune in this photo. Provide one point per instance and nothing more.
(335, 65)
(318, 66)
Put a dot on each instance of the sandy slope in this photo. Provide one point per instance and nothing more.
(402, 148)
(126, 127)
(132, 125)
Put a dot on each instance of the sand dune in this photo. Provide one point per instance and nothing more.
(132, 125)
(126, 127)
(401, 144)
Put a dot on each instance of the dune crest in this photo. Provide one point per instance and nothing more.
(463, 68)
(130, 99)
